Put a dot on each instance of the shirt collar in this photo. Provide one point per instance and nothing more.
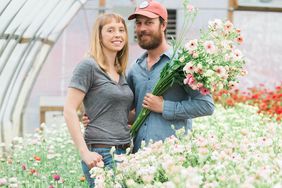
(168, 53)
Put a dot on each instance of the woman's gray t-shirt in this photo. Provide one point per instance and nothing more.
(106, 102)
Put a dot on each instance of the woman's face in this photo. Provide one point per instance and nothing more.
(114, 36)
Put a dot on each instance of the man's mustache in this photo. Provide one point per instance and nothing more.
(143, 33)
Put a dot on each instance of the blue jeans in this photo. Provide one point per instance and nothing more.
(107, 159)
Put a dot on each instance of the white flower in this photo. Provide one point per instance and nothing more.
(13, 180)
(182, 59)
(209, 73)
(215, 24)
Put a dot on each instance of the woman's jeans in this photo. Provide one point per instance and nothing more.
(107, 159)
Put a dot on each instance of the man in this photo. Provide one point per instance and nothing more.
(179, 104)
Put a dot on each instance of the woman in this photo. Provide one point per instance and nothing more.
(99, 82)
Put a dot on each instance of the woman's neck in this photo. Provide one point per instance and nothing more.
(110, 58)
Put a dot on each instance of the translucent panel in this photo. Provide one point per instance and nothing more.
(25, 16)
(262, 47)
(65, 20)
(56, 15)
(29, 81)
(25, 26)
(24, 65)
(40, 19)
(7, 51)
(7, 71)
(2, 43)
(9, 14)
(4, 4)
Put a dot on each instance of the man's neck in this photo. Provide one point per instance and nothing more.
(154, 54)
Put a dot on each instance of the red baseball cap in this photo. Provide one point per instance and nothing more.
(150, 9)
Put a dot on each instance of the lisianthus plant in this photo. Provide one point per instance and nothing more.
(235, 147)
(213, 62)
(207, 64)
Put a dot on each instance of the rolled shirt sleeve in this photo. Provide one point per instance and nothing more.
(196, 106)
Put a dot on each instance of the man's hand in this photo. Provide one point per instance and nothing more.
(85, 120)
(153, 103)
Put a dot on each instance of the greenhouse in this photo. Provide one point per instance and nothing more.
(224, 64)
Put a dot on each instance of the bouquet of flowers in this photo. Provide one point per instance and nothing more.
(207, 64)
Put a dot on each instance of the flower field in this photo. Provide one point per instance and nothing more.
(233, 148)
(236, 147)
(268, 101)
(45, 159)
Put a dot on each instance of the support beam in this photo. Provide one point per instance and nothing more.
(259, 9)
(102, 4)
(233, 5)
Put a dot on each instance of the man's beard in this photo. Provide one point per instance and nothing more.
(156, 40)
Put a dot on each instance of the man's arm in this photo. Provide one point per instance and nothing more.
(196, 106)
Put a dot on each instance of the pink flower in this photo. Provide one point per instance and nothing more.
(199, 85)
(3, 181)
(199, 69)
(204, 91)
(189, 68)
(195, 54)
(192, 45)
(240, 39)
(221, 71)
(56, 177)
(228, 26)
(23, 166)
(237, 55)
(189, 79)
(194, 86)
(209, 47)
(190, 8)
(227, 57)
(51, 186)
(232, 84)
(238, 31)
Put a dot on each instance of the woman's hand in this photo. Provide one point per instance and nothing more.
(153, 103)
(92, 159)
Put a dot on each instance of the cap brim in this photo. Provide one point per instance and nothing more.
(142, 13)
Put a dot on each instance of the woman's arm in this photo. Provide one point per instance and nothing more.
(73, 100)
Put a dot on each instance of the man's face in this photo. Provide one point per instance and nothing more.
(149, 32)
